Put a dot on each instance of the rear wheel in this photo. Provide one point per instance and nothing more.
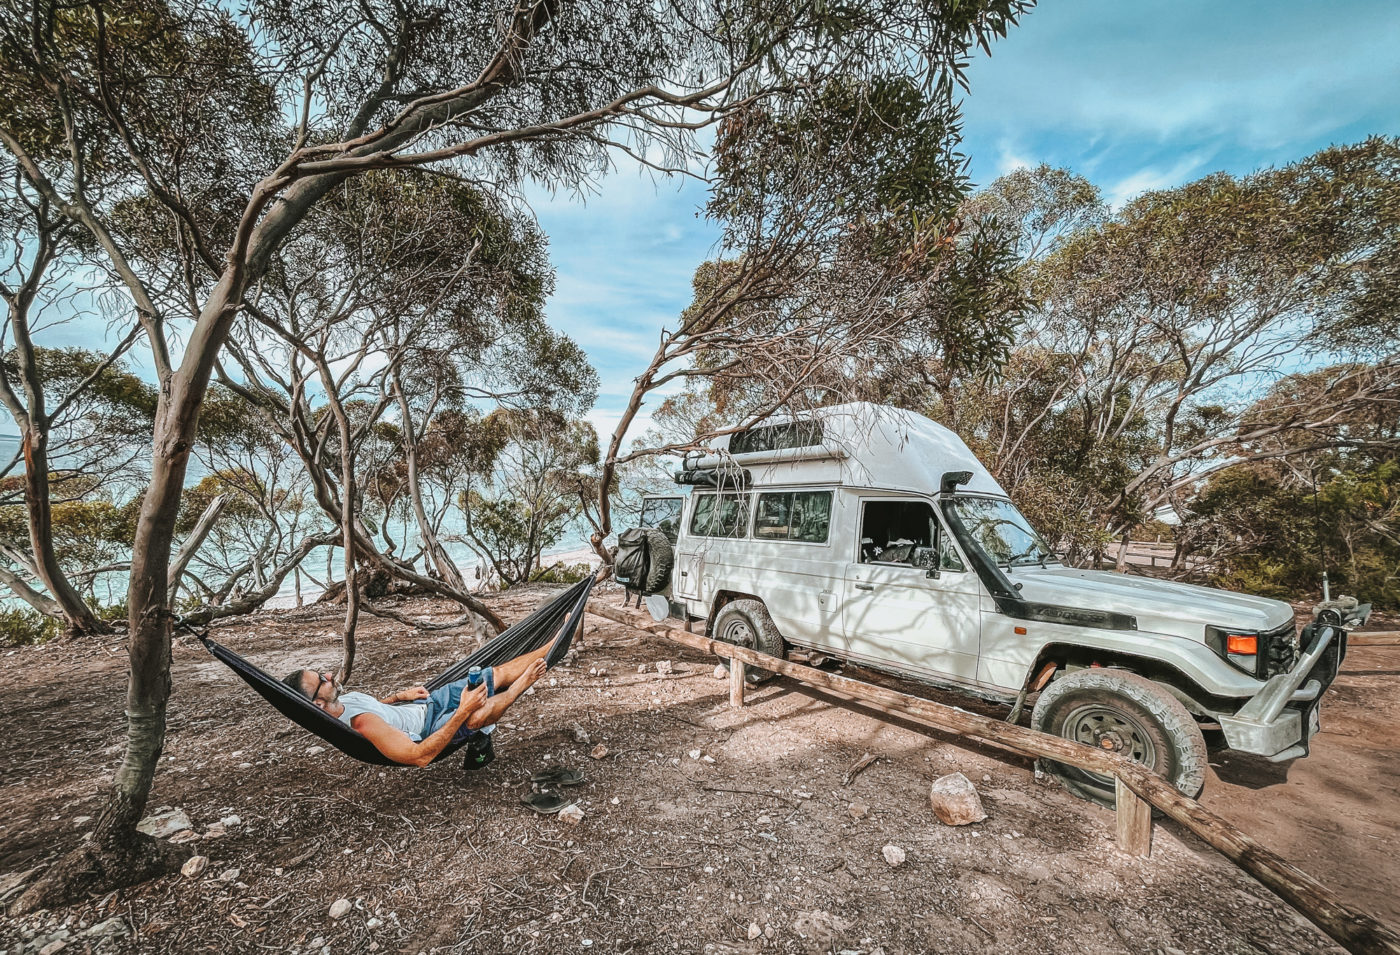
(745, 623)
(1127, 714)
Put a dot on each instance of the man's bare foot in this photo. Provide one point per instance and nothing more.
(532, 673)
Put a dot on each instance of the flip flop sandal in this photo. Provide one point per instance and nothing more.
(558, 777)
(545, 803)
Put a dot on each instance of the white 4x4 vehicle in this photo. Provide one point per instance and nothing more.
(875, 535)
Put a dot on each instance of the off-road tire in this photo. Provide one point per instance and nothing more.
(1127, 713)
(745, 623)
(660, 560)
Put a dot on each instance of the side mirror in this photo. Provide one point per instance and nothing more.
(927, 558)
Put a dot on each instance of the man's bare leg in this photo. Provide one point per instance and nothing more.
(494, 706)
(510, 671)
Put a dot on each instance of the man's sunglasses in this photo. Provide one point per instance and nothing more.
(323, 680)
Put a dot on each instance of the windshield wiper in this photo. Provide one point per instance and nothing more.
(1034, 548)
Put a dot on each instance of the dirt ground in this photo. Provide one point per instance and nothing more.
(705, 829)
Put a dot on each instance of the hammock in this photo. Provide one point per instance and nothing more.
(557, 620)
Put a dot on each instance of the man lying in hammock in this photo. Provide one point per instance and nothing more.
(424, 723)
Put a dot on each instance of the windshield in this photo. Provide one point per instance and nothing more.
(1001, 531)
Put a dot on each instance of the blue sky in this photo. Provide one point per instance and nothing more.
(1134, 95)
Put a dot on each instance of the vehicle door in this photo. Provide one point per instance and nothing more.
(797, 564)
(910, 601)
(663, 513)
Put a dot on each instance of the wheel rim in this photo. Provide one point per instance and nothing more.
(1112, 730)
(739, 633)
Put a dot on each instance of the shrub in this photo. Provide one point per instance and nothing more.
(22, 628)
(562, 573)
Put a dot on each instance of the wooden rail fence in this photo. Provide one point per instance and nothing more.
(1138, 789)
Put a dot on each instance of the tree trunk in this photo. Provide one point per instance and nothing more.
(21, 589)
(191, 546)
(116, 854)
(347, 522)
(446, 569)
(1120, 563)
(76, 613)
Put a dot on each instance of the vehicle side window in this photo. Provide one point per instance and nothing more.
(793, 515)
(897, 532)
(720, 515)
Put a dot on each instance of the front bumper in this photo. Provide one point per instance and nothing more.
(1282, 717)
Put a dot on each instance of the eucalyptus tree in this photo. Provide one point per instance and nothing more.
(1158, 325)
(269, 525)
(60, 400)
(191, 107)
(541, 474)
(849, 270)
(403, 297)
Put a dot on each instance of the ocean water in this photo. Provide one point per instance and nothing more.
(112, 587)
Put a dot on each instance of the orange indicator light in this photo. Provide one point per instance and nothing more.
(1239, 643)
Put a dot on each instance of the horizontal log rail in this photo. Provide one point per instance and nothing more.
(1376, 638)
(1135, 785)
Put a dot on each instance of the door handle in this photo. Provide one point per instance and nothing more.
(865, 586)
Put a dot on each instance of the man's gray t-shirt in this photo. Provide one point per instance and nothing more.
(407, 717)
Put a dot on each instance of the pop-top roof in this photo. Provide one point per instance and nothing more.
(861, 445)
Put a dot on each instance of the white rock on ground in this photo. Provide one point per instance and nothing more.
(894, 855)
(955, 801)
(166, 823)
(194, 867)
(664, 667)
(754, 931)
(340, 908)
(721, 673)
(598, 752)
(572, 815)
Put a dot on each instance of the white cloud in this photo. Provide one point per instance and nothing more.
(1153, 177)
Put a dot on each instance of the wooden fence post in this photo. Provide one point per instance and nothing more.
(736, 682)
(1134, 818)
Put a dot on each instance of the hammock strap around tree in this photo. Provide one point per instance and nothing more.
(558, 620)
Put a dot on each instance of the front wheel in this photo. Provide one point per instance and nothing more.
(745, 623)
(1127, 714)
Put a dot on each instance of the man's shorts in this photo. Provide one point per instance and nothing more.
(443, 702)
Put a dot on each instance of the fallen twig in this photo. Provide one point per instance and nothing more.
(858, 768)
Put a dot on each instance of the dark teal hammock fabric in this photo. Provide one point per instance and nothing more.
(557, 620)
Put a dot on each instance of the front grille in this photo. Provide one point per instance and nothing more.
(1278, 650)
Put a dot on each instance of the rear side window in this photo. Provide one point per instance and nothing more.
(720, 515)
(776, 437)
(793, 516)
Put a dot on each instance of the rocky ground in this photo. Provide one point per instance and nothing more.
(703, 828)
